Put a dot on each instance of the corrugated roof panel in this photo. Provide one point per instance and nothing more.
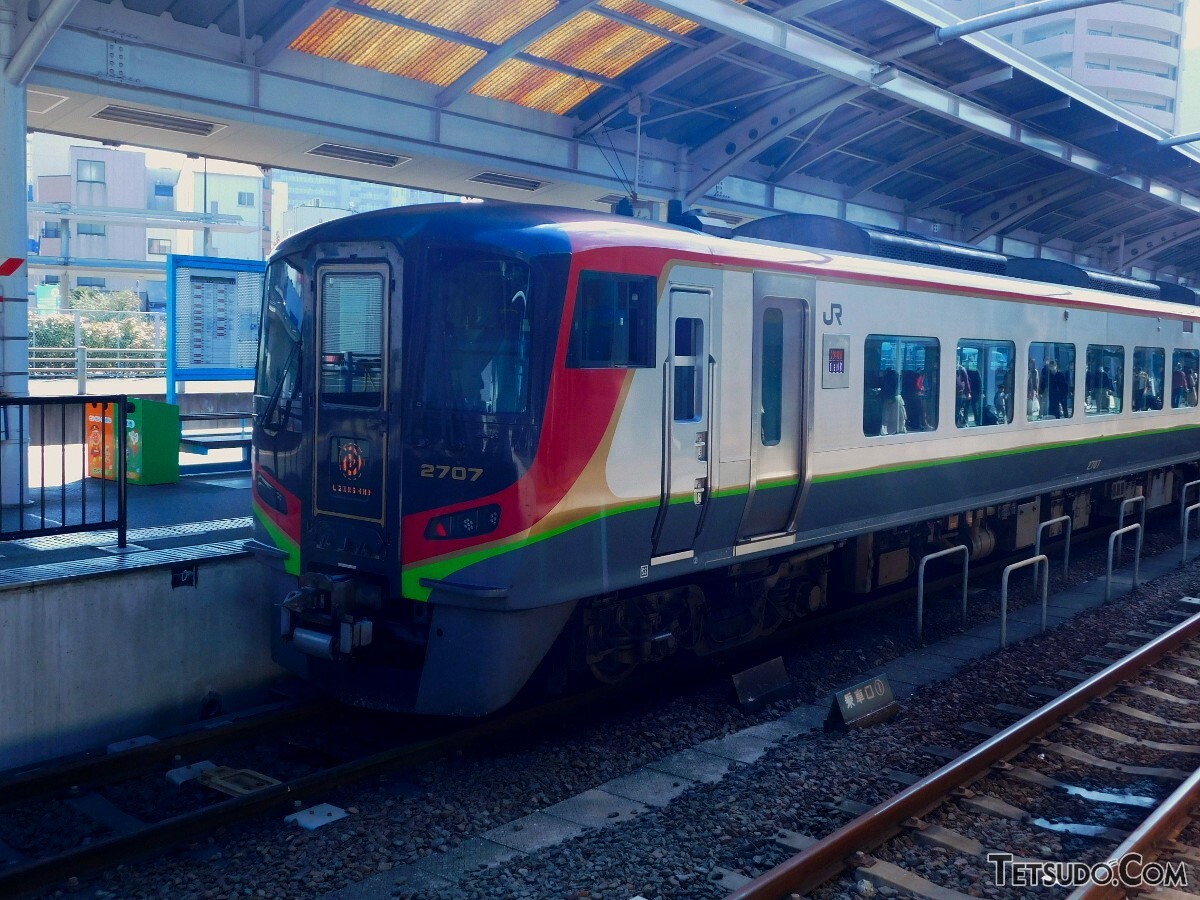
(485, 20)
(529, 85)
(596, 44)
(652, 16)
(353, 39)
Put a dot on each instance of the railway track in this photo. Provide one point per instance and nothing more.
(78, 783)
(1153, 675)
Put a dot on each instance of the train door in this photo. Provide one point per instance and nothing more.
(777, 421)
(687, 402)
(351, 441)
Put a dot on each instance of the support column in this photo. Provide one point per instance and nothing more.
(14, 245)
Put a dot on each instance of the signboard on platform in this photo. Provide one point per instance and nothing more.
(861, 704)
(212, 318)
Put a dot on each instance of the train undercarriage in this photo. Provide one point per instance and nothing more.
(614, 634)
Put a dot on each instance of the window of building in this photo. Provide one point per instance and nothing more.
(86, 282)
(245, 198)
(92, 228)
(1104, 385)
(614, 322)
(158, 246)
(771, 377)
(164, 190)
(1050, 392)
(1149, 369)
(89, 171)
(900, 385)
(983, 383)
(51, 230)
(1185, 368)
(51, 279)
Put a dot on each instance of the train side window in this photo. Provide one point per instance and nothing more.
(1050, 389)
(983, 383)
(1149, 371)
(1185, 367)
(900, 384)
(770, 377)
(1104, 393)
(614, 322)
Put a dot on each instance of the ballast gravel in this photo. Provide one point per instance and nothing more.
(710, 835)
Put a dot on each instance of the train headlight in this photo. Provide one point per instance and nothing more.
(468, 523)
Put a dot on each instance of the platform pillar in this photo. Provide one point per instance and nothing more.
(14, 278)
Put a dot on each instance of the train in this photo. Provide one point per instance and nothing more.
(500, 444)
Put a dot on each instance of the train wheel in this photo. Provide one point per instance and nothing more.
(614, 666)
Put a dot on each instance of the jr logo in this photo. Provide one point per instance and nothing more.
(833, 315)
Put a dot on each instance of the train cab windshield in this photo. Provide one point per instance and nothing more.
(277, 393)
(477, 356)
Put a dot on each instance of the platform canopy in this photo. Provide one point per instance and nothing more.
(849, 108)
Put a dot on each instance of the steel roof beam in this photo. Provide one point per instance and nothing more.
(1112, 234)
(904, 165)
(1083, 222)
(1147, 246)
(1007, 213)
(860, 129)
(999, 164)
(286, 32)
(501, 54)
(760, 30)
(746, 139)
(37, 40)
(687, 63)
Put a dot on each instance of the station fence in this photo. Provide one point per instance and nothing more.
(55, 454)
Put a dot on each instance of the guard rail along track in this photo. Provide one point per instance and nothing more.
(848, 846)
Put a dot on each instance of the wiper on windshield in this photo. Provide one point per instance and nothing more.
(265, 420)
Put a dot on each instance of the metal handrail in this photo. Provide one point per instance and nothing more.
(1032, 561)
(1137, 557)
(1121, 517)
(1183, 500)
(1187, 516)
(1037, 544)
(961, 548)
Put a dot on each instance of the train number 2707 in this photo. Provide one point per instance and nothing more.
(458, 473)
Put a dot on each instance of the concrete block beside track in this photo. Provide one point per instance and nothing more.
(86, 661)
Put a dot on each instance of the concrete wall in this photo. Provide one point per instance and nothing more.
(89, 661)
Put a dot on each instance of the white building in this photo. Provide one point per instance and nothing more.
(1128, 52)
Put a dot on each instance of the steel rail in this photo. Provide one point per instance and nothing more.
(826, 858)
(107, 853)
(53, 777)
(1162, 825)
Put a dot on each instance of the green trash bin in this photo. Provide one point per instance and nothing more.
(152, 442)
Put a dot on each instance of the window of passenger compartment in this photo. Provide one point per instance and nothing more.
(771, 377)
(1185, 366)
(900, 385)
(983, 383)
(1149, 371)
(1104, 385)
(614, 322)
(1050, 391)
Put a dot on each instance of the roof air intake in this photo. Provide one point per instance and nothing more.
(127, 115)
(499, 179)
(358, 155)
